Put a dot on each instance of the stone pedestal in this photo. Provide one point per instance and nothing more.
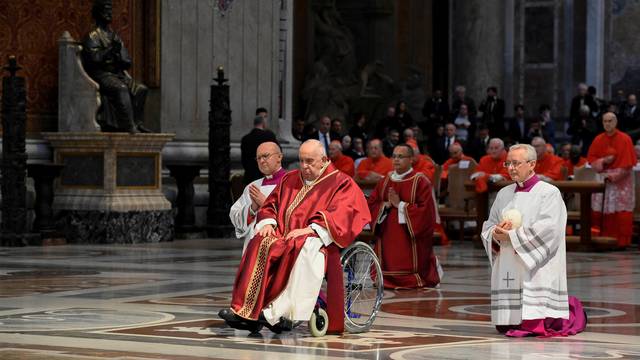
(110, 188)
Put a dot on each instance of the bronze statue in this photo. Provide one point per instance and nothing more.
(106, 60)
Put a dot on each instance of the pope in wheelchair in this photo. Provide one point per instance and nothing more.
(311, 215)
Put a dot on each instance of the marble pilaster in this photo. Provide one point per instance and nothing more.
(477, 48)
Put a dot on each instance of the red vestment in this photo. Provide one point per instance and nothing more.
(381, 165)
(333, 201)
(490, 166)
(426, 166)
(619, 197)
(451, 161)
(405, 251)
(571, 166)
(550, 166)
(344, 164)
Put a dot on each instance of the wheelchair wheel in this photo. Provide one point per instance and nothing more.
(363, 287)
(319, 322)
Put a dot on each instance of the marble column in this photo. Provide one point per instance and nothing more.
(595, 44)
(477, 46)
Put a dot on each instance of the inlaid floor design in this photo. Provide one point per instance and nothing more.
(159, 301)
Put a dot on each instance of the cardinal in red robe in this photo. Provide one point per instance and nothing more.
(611, 154)
(312, 213)
(455, 156)
(375, 167)
(403, 218)
(548, 166)
(491, 166)
(340, 161)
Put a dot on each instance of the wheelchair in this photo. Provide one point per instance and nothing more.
(363, 291)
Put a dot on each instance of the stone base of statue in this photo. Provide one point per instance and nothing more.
(110, 189)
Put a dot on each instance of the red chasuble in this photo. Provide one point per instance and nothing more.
(550, 166)
(490, 166)
(345, 164)
(405, 251)
(426, 166)
(333, 201)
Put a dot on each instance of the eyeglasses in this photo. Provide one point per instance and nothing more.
(264, 156)
(514, 164)
(399, 156)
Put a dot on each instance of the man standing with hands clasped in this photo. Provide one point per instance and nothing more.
(525, 240)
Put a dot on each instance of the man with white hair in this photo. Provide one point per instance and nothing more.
(243, 211)
(339, 160)
(314, 211)
(525, 240)
(491, 166)
(548, 166)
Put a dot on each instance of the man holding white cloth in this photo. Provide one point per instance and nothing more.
(525, 241)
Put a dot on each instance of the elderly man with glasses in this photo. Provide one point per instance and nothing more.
(525, 240)
(243, 212)
(313, 213)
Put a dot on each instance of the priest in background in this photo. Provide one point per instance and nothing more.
(243, 212)
(425, 164)
(375, 167)
(571, 155)
(455, 157)
(403, 218)
(525, 240)
(548, 166)
(611, 154)
(340, 161)
(314, 212)
(491, 166)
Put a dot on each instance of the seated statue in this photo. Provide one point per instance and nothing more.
(106, 60)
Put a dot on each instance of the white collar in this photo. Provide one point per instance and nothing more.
(395, 176)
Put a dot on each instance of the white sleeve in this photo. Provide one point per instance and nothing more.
(490, 224)
(324, 235)
(402, 219)
(264, 222)
(239, 214)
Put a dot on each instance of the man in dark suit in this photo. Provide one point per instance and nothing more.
(583, 98)
(492, 109)
(630, 117)
(460, 97)
(249, 145)
(518, 127)
(435, 112)
(324, 133)
(478, 147)
(441, 151)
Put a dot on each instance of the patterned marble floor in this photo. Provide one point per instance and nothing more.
(159, 302)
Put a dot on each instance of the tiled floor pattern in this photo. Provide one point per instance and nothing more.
(158, 301)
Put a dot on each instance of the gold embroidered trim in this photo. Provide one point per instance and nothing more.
(375, 221)
(301, 194)
(257, 275)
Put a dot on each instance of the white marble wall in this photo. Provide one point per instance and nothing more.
(195, 40)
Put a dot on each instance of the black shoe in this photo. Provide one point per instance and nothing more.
(238, 322)
(133, 130)
(279, 327)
